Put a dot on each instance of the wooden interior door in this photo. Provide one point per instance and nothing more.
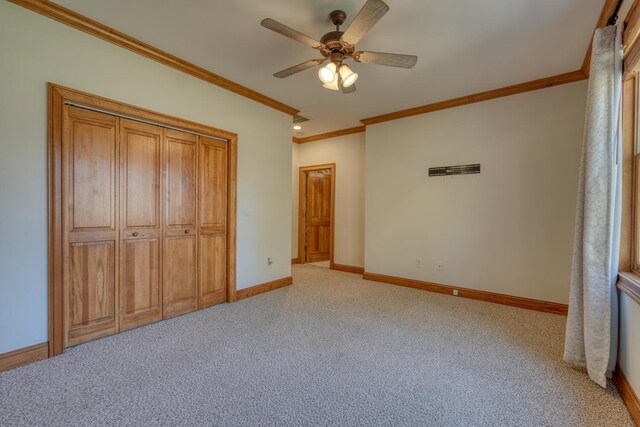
(318, 216)
(90, 224)
(180, 240)
(141, 224)
(212, 233)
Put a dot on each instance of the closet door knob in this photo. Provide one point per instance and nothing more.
(135, 234)
(186, 231)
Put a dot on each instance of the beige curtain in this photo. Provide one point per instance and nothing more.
(592, 324)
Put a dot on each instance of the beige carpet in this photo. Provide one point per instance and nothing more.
(324, 264)
(330, 350)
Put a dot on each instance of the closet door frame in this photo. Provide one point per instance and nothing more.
(57, 97)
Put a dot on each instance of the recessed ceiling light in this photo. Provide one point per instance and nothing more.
(297, 127)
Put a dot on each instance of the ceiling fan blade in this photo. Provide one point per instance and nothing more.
(370, 13)
(291, 33)
(297, 68)
(390, 59)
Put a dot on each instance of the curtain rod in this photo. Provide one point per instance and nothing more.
(614, 18)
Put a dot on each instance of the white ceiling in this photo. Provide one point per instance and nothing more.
(464, 46)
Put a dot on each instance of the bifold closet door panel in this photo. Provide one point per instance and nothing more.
(141, 224)
(180, 231)
(213, 222)
(90, 224)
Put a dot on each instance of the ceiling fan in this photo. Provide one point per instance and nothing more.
(338, 46)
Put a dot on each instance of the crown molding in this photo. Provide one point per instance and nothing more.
(543, 83)
(560, 79)
(546, 82)
(327, 135)
(573, 76)
(89, 26)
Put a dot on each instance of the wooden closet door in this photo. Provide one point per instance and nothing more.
(141, 227)
(318, 216)
(212, 233)
(90, 224)
(180, 237)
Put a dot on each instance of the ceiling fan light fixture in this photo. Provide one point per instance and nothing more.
(348, 76)
(327, 74)
(332, 85)
(337, 46)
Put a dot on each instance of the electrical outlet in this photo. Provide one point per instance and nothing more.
(418, 262)
(269, 262)
(440, 266)
(455, 292)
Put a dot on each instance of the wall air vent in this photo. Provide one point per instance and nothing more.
(454, 170)
(297, 119)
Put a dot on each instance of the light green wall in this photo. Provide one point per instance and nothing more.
(35, 50)
(507, 230)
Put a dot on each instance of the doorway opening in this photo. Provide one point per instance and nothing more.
(316, 218)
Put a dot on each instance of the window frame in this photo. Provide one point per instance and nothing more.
(629, 264)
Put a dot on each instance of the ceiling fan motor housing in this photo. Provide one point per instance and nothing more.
(332, 40)
(338, 17)
(335, 46)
